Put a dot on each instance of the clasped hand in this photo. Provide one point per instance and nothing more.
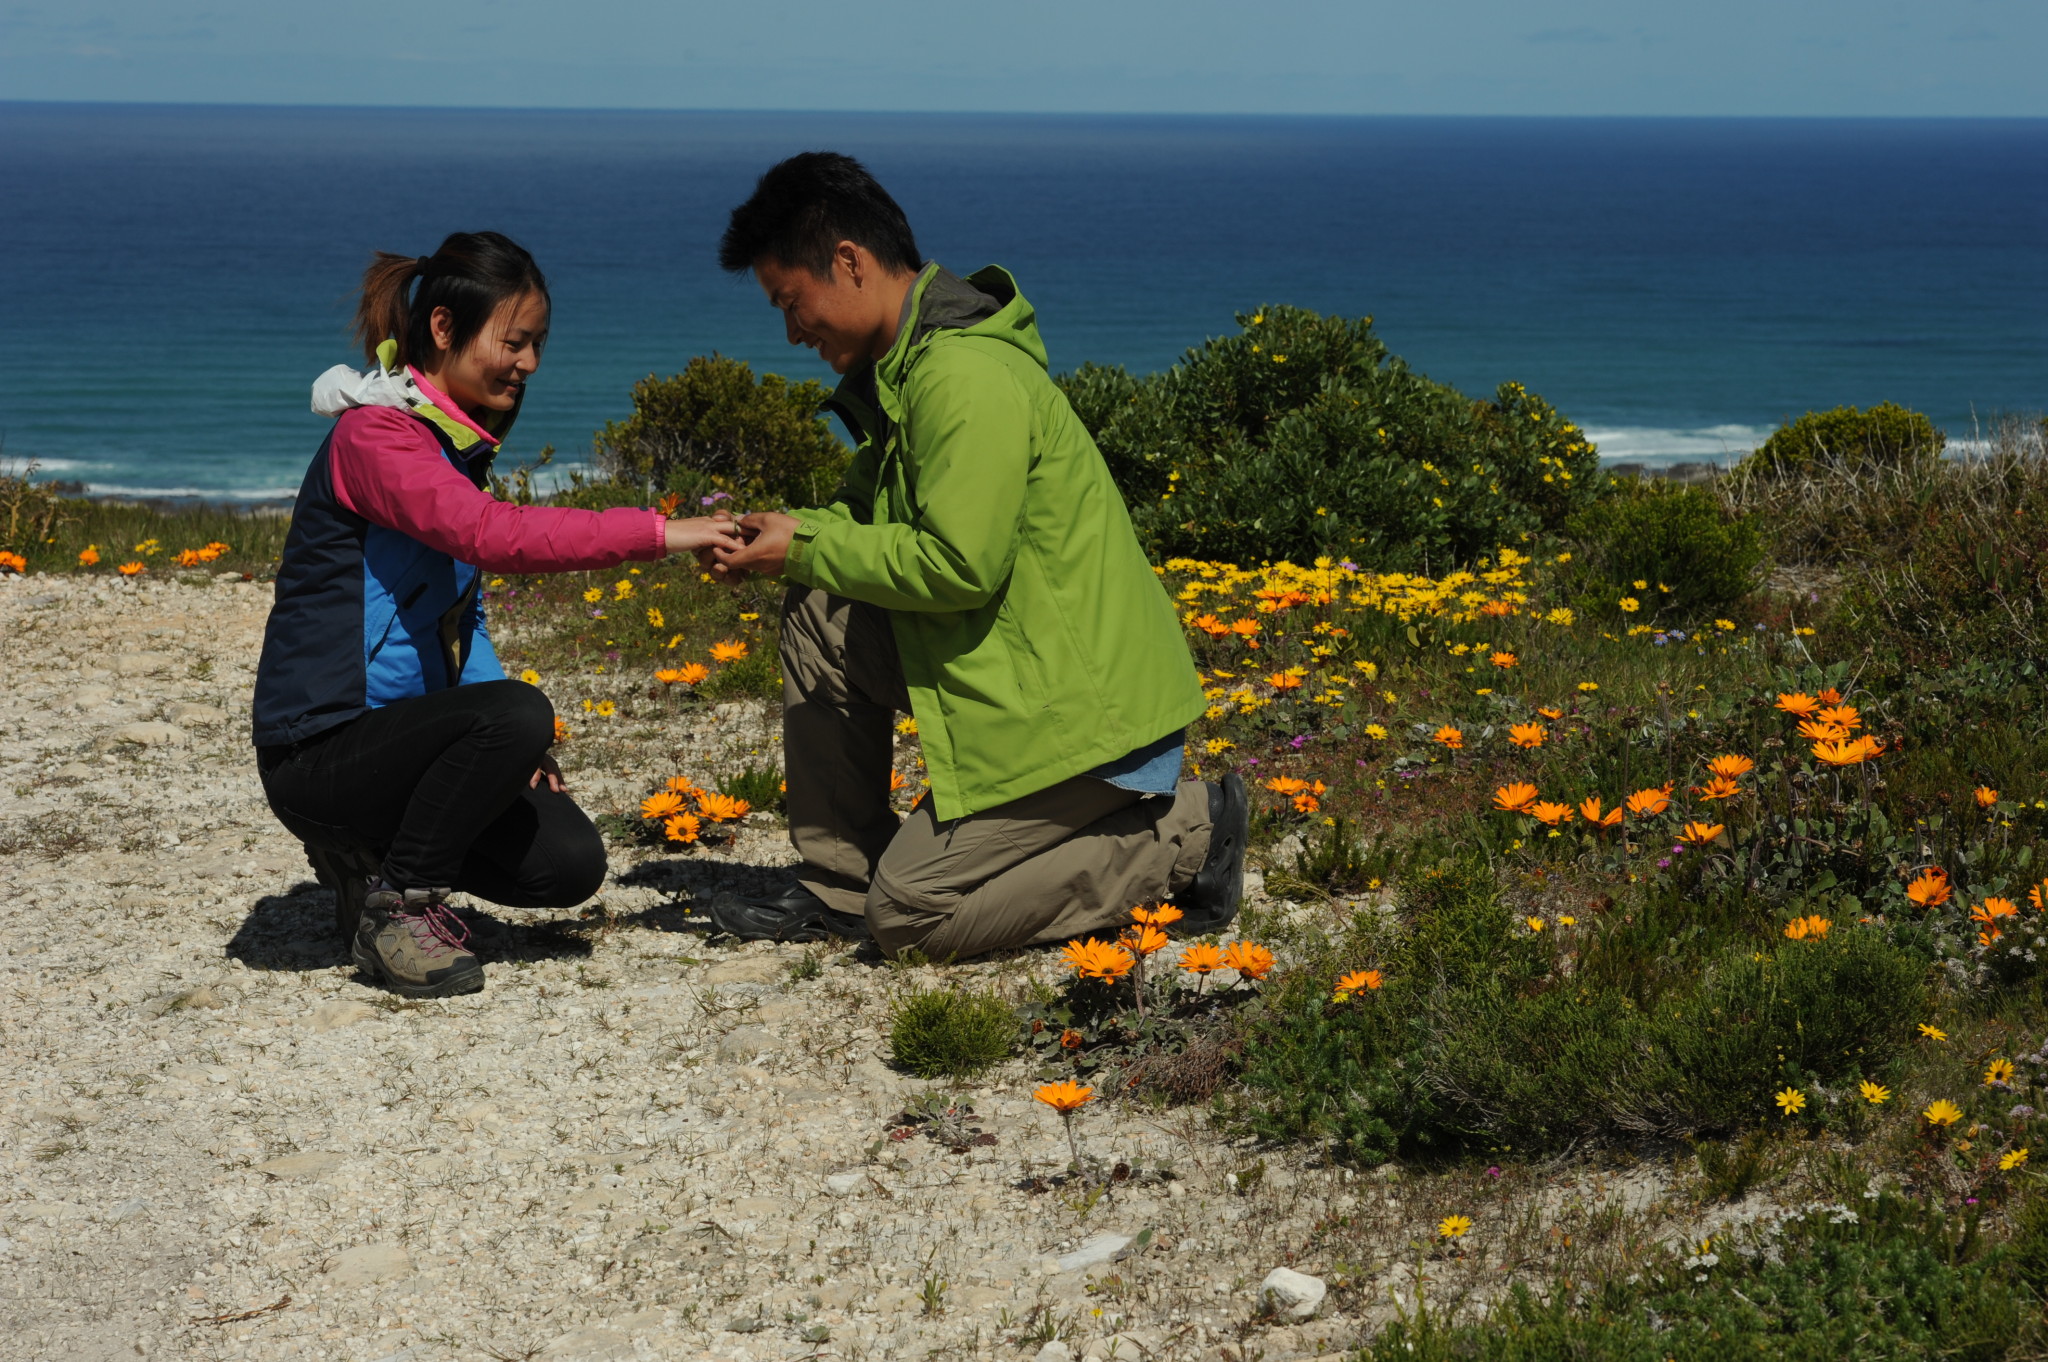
(759, 543)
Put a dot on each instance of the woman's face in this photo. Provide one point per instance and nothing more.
(490, 372)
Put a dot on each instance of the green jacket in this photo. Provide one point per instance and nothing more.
(1037, 642)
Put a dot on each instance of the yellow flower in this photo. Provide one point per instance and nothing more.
(1630, 604)
(622, 589)
(1791, 1101)
(748, 617)
(605, 709)
(1874, 1093)
(530, 677)
(1933, 1032)
(2011, 1161)
(1561, 615)
(654, 619)
(1217, 746)
(1589, 685)
(1454, 1226)
(1942, 1112)
(1377, 732)
(1999, 1072)
(594, 595)
(1535, 924)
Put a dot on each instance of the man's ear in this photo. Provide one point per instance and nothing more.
(849, 256)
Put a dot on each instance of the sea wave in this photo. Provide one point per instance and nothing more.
(110, 489)
(1660, 445)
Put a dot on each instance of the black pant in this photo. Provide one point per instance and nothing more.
(438, 785)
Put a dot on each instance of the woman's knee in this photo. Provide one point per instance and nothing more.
(522, 713)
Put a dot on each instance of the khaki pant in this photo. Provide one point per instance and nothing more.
(1065, 862)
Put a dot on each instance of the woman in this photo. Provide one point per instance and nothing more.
(388, 737)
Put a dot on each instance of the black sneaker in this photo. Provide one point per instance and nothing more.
(793, 914)
(349, 875)
(1210, 903)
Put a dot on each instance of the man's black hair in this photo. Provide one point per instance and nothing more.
(805, 206)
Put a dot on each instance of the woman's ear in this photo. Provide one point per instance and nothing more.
(442, 324)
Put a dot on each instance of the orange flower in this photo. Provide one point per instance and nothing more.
(1496, 609)
(1244, 628)
(1284, 681)
(1144, 940)
(1807, 928)
(1549, 813)
(1844, 716)
(1200, 959)
(1286, 785)
(897, 782)
(1822, 732)
(1165, 915)
(1358, 981)
(1798, 704)
(691, 673)
(1100, 960)
(1731, 766)
(1986, 796)
(683, 786)
(1065, 1097)
(1720, 787)
(1448, 736)
(1503, 660)
(1643, 803)
(661, 805)
(183, 558)
(1989, 911)
(1830, 696)
(1209, 625)
(2036, 897)
(722, 808)
(130, 569)
(1550, 713)
(88, 555)
(1589, 809)
(1307, 803)
(1252, 961)
(1070, 1039)
(1702, 833)
(561, 730)
(1527, 735)
(13, 562)
(1930, 890)
(728, 650)
(668, 676)
(1838, 753)
(681, 828)
(1514, 798)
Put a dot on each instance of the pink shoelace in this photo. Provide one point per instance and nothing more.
(434, 925)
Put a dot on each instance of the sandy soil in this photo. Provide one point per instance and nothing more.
(218, 1141)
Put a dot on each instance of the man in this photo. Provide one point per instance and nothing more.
(978, 570)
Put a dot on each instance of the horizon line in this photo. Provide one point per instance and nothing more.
(1194, 114)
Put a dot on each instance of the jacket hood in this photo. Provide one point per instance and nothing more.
(985, 303)
(390, 384)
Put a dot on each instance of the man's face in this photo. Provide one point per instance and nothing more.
(832, 314)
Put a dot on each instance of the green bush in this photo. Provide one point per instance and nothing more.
(1888, 1277)
(1886, 436)
(943, 1033)
(714, 425)
(760, 786)
(1302, 435)
(1675, 537)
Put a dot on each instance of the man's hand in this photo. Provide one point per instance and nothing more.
(707, 557)
(768, 534)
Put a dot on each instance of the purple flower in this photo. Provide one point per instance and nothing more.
(1678, 634)
(1664, 864)
(716, 497)
(1493, 1172)
(1251, 761)
(2022, 1111)
(1660, 640)
(1348, 565)
(1296, 742)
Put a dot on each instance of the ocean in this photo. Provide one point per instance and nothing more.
(172, 278)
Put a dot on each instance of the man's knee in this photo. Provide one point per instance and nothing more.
(573, 871)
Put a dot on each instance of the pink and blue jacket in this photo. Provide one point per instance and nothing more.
(378, 596)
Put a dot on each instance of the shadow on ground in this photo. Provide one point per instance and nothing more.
(295, 931)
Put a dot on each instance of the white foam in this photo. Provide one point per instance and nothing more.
(108, 489)
(1661, 445)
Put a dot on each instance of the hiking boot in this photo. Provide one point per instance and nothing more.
(1210, 903)
(793, 914)
(349, 876)
(413, 944)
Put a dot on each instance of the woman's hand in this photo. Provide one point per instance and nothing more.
(767, 535)
(701, 534)
(551, 773)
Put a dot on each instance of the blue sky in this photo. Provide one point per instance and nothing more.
(1728, 57)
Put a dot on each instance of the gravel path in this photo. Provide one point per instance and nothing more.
(218, 1142)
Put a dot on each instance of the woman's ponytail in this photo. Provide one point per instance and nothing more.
(471, 274)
